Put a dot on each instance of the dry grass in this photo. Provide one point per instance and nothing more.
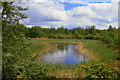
(89, 54)
(69, 73)
(115, 65)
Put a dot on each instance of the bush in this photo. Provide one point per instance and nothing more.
(79, 37)
(30, 70)
(89, 36)
(107, 39)
(97, 37)
(25, 70)
(100, 71)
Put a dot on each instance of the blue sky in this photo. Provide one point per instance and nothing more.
(69, 6)
(82, 13)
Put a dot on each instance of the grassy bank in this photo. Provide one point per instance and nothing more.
(37, 47)
(103, 52)
(40, 46)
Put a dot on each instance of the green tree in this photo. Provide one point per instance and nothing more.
(10, 24)
(11, 14)
(14, 55)
(92, 30)
(60, 30)
(12, 36)
(36, 32)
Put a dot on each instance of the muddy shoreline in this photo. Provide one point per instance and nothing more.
(86, 52)
(79, 47)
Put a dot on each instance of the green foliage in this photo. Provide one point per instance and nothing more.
(105, 53)
(29, 69)
(61, 36)
(110, 37)
(17, 63)
(80, 37)
(102, 71)
(89, 36)
(35, 32)
(107, 39)
(11, 13)
(12, 37)
(106, 36)
(12, 34)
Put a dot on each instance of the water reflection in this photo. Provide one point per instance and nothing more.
(63, 54)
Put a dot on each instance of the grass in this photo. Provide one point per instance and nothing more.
(68, 71)
(65, 71)
(105, 53)
(36, 45)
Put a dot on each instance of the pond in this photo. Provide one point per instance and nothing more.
(63, 54)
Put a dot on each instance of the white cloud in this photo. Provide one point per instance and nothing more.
(29, 26)
(46, 11)
(99, 14)
(78, 2)
(115, 0)
(53, 14)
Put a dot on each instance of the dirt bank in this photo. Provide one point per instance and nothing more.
(89, 54)
(80, 48)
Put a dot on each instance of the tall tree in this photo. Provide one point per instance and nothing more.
(12, 36)
(10, 24)
(11, 14)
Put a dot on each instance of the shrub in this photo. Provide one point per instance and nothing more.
(80, 37)
(97, 37)
(89, 36)
(100, 71)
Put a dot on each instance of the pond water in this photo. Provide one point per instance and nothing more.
(63, 54)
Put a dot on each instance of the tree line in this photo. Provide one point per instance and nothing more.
(108, 36)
